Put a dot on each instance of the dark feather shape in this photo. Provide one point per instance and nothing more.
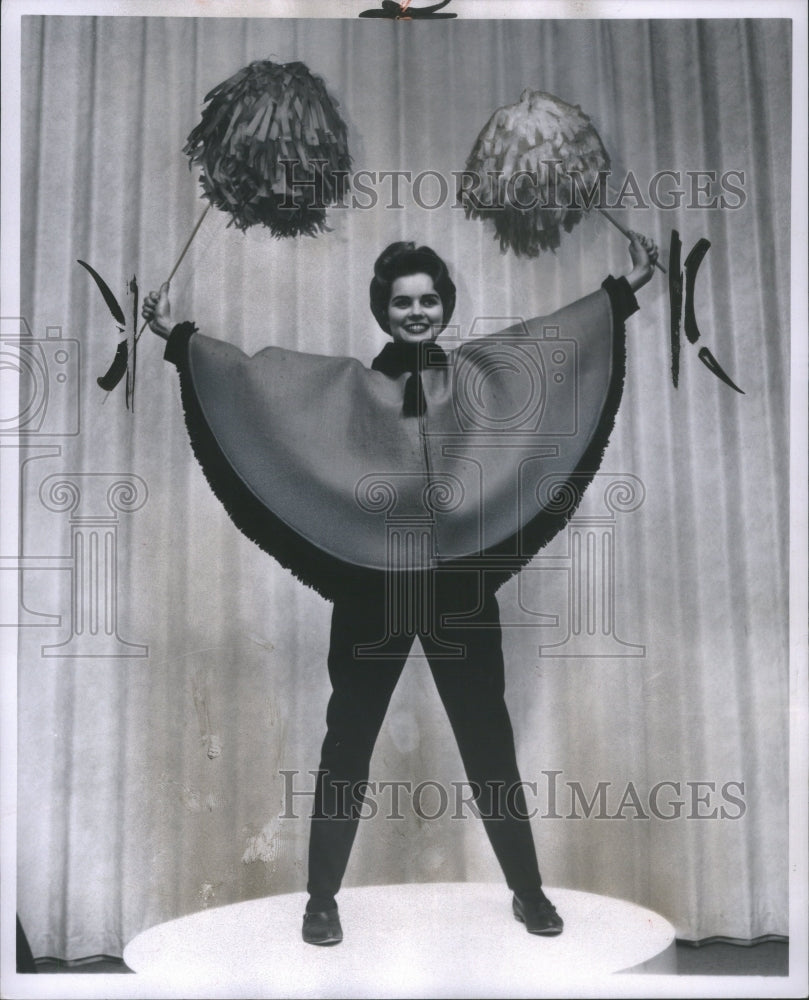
(116, 370)
(109, 298)
(710, 362)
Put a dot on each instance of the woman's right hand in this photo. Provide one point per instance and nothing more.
(157, 311)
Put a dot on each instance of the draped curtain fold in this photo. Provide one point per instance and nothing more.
(169, 769)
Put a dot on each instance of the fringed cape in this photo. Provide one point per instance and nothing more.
(315, 461)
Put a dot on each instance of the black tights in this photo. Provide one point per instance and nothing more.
(471, 687)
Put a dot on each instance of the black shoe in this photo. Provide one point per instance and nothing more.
(538, 914)
(322, 928)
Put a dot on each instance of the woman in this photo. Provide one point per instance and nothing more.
(428, 588)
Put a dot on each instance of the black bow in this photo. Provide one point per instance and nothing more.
(399, 357)
(393, 10)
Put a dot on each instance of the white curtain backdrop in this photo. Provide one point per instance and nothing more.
(150, 757)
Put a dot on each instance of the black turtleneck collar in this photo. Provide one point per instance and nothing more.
(398, 356)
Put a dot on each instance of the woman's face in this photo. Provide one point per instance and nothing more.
(415, 310)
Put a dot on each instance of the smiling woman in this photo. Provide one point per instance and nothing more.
(405, 277)
(123, 819)
(262, 451)
(377, 425)
(415, 311)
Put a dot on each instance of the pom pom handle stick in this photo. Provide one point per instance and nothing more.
(179, 260)
(118, 368)
(611, 218)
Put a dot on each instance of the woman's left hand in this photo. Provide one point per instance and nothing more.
(643, 252)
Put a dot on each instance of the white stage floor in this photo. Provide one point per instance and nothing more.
(425, 940)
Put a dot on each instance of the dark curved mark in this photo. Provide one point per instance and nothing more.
(676, 303)
(132, 341)
(713, 365)
(692, 263)
(116, 370)
(109, 298)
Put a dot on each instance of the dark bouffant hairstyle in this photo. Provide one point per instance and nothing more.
(400, 259)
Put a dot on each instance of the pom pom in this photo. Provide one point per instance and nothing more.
(525, 160)
(272, 149)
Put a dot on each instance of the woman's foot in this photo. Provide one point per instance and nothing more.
(322, 927)
(538, 913)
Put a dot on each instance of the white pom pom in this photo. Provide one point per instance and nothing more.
(526, 136)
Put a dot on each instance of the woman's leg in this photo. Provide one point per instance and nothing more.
(472, 691)
(361, 691)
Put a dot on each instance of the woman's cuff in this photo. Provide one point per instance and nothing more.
(622, 298)
(177, 342)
